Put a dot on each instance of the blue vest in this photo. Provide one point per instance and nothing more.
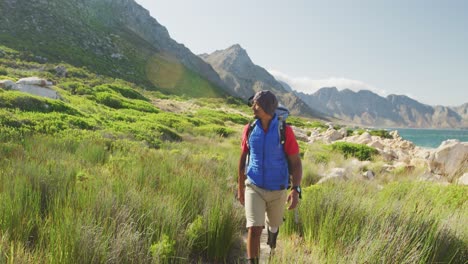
(268, 166)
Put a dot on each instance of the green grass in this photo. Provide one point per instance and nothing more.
(104, 176)
(406, 222)
(68, 200)
(171, 76)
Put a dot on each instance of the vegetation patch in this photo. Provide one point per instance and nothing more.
(173, 77)
(32, 103)
(359, 151)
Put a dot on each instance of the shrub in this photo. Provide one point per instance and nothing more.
(359, 151)
(125, 91)
(113, 100)
(34, 103)
(78, 73)
(380, 133)
(163, 249)
(3, 71)
(175, 121)
(195, 234)
(76, 88)
(109, 100)
(139, 105)
(218, 130)
(219, 117)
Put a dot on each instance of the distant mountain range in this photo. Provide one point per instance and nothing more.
(120, 39)
(367, 108)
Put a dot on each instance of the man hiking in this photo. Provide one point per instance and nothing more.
(262, 187)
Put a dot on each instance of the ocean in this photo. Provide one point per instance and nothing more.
(431, 138)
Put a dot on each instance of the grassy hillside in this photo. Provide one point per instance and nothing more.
(116, 173)
(171, 76)
(91, 35)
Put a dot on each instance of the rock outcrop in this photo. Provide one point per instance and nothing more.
(31, 85)
(446, 164)
(450, 159)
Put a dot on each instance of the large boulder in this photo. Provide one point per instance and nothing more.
(8, 85)
(37, 86)
(369, 175)
(34, 81)
(463, 180)
(332, 135)
(364, 138)
(334, 174)
(450, 159)
(300, 134)
(434, 178)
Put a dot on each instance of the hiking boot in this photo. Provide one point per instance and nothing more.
(272, 238)
(252, 261)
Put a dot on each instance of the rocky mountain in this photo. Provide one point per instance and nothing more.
(244, 78)
(462, 110)
(367, 108)
(113, 37)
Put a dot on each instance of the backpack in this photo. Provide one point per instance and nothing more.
(282, 112)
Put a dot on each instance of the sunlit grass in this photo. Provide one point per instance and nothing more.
(407, 222)
(59, 196)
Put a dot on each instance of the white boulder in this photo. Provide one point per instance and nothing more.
(463, 180)
(334, 174)
(369, 175)
(34, 81)
(449, 159)
(8, 85)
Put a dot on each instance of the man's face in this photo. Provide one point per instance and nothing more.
(258, 110)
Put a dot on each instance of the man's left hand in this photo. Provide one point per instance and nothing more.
(293, 200)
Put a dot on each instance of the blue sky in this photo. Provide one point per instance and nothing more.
(414, 48)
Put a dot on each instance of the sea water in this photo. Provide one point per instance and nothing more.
(431, 138)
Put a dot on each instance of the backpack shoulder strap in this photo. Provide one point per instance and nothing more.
(281, 129)
(282, 132)
(249, 131)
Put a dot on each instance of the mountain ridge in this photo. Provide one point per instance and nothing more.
(244, 78)
(367, 108)
(118, 38)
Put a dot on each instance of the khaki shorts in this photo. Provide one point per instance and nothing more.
(259, 202)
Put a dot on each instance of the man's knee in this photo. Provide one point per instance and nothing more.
(256, 231)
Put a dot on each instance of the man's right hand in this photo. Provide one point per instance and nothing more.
(241, 195)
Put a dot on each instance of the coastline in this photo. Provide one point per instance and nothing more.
(443, 161)
(430, 138)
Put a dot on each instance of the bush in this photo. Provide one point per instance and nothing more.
(76, 88)
(359, 151)
(26, 102)
(163, 249)
(219, 117)
(115, 101)
(175, 121)
(78, 73)
(109, 100)
(125, 91)
(218, 130)
(381, 133)
(3, 71)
